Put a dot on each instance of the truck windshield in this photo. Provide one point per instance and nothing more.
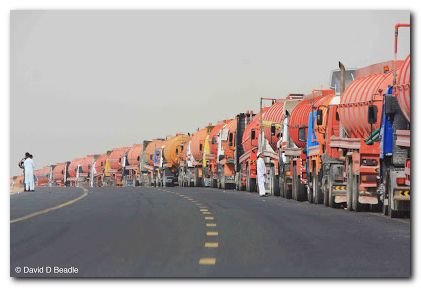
(335, 80)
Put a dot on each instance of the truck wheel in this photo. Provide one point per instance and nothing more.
(288, 187)
(325, 192)
(213, 181)
(223, 185)
(196, 179)
(349, 190)
(282, 185)
(329, 188)
(164, 179)
(386, 192)
(250, 183)
(294, 184)
(317, 193)
(275, 182)
(310, 192)
(392, 213)
(298, 189)
(356, 206)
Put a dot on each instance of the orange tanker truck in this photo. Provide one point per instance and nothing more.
(270, 136)
(132, 166)
(210, 150)
(59, 177)
(101, 173)
(169, 159)
(395, 140)
(352, 162)
(116, 160)
(78, 171)
(191, 167)
(150, 162)
(230, 149)
(246, 174)
(43, 176)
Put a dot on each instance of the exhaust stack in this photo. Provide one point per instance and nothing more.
(342, 75)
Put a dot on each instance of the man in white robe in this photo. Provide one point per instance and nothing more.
(261, 171)
(29, 168)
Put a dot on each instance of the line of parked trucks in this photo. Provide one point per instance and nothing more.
(346, 146)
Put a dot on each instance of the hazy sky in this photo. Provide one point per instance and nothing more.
(83, 82)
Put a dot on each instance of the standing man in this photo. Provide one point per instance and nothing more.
(23, 168)
(261, 172)
(29, 167)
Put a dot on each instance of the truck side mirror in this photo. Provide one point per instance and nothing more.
(319, 117)
(372, 114)
(231, 139)
(272, 129)
(213, 140)
(253, 134)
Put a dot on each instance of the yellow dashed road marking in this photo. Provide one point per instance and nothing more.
(207, 261)
(211, 233)
(203, 210)
(45, 211)
(208, 218)
(211, 244)
(206, 213)
(211, 224)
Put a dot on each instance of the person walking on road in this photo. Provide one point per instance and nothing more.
(261, 172)
(29, 167)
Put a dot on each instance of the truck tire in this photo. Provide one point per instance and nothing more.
(392, 213)
(317, 193)
(356, 206)
(325, 191)
(214, 182)
(386, 192)
(223, 185)
(282, 185)
(197, 181)
(275, 182)
(250, 183)
(164, 179)
(310, 192)
(298, 189)
(349, 190)
(329, 189)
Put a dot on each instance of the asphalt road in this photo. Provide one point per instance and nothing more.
(200, 232)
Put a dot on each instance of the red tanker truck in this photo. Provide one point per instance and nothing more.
(150, 164)
(116, 160)
(210, 171)
(352, 154)
(395, 140)
(183, 180)
(101, 173)
(59, 174)
(43, 176)
(79, 170)
(246, 176)
(270, 137)
(229, 150)
(170, 157)
(132, 166)
(312, 150)
(191, 167)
